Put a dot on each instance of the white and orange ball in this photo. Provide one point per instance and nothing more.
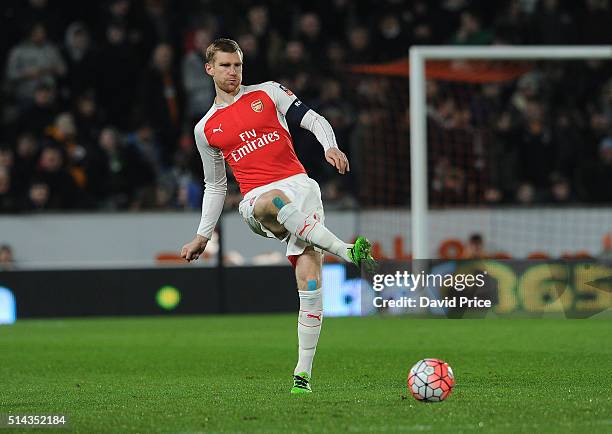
(431, 380)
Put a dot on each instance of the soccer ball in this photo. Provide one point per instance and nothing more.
(431, 380)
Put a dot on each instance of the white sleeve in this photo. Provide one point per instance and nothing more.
(281, 96)
(321, 128)
(215, 181)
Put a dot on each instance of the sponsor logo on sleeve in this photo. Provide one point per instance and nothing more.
(287, 91)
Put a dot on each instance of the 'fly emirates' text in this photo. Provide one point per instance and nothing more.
(253, 143)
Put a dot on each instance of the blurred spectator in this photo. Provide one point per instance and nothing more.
(129, 177)
(595, 176)
(255, 65)
(38, 198)
(596, 21)
(40, 11)
(559, 192)
(161, 99)
(123, 14)
(8, 201)
(503, 160)
(87, 117)
(40, 115)
(7, 158)
(295, 61)
(158, 24)
(475, 247)
(268, 39)
(552, 25)
(360, 50)
(81, 60)
(470, 31)
(63, 132)
(199, 88)
(117, 75)
(26, 159)
(7, 261)
(32, 63)
(424, 20)
(8, 188)
(511, 27)
(537, 151)
(337, 197)
(145, 142)
(189, 196)
(311, 38)
(448, 184)
(336, 57)
(63, 192)
(164, 195)
(391, 41)
(525, 194)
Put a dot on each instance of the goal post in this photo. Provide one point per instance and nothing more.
(418, 112)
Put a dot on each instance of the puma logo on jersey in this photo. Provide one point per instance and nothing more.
(217, 130)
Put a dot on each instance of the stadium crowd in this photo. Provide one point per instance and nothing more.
(100, 99)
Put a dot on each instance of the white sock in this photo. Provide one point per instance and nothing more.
(307, 228)
(310, 318)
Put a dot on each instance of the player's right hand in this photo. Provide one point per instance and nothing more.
(193, 249)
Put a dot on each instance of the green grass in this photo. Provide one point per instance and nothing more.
(233, 374)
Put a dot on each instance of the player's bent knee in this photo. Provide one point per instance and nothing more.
(267, 204)
(309, 283)
(308, 270)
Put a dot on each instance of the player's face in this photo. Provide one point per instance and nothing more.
(226, 71)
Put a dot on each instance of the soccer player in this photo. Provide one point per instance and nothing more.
(248, 127)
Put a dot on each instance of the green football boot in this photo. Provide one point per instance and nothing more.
(361, 255)
(301, 383)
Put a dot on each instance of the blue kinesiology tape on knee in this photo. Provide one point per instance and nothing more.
(312, 285)
(278, 202)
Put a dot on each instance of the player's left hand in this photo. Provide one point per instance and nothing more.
(336, 158)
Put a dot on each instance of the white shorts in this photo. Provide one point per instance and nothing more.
(301, 190)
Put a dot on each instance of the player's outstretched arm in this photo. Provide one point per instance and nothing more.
(193, 249)
(215, 187)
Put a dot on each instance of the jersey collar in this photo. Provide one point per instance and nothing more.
(236, 98)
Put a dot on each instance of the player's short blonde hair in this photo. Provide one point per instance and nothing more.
(224, 45)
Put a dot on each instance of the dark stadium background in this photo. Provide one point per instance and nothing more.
(106, 126)
(109, 124)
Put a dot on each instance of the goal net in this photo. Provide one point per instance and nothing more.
(508, 155)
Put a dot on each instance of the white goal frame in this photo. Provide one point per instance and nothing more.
(418, 112)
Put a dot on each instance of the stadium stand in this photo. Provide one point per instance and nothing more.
(100, 101)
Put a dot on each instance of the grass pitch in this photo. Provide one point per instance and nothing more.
(233, 374)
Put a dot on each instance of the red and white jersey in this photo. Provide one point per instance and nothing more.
(252, 135)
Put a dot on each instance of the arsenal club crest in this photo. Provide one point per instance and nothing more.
(257, 106)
